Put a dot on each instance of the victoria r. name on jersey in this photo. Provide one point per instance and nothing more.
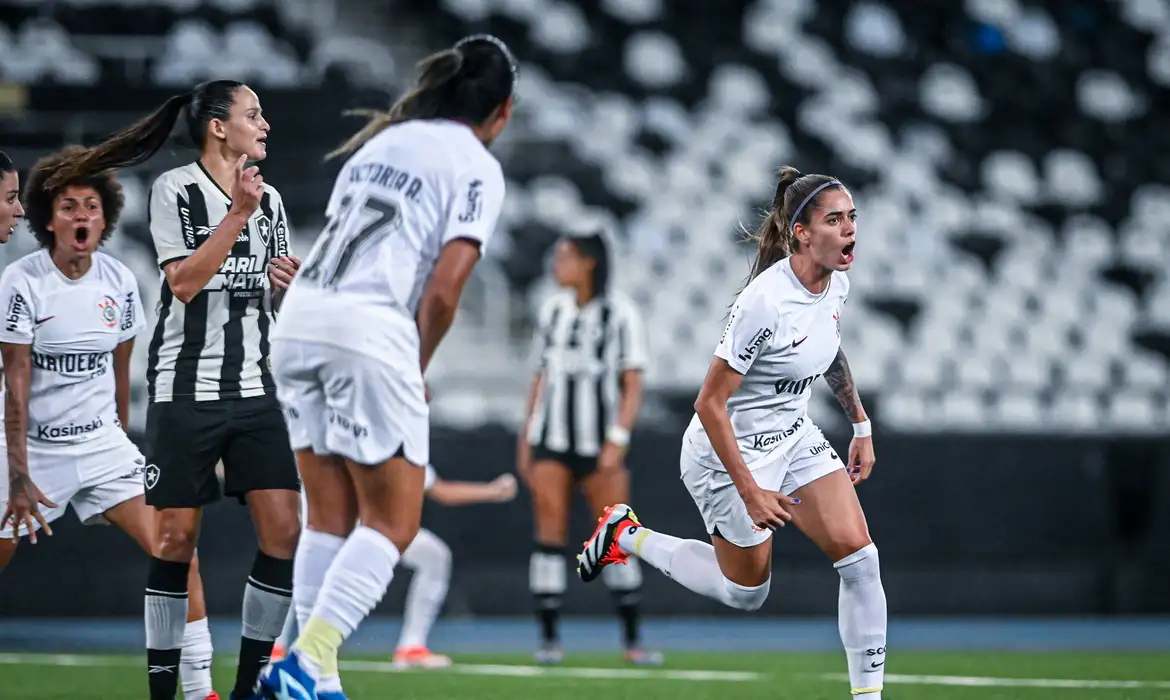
(389, 177)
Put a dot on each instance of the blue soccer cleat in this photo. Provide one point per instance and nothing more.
(331, 695)
(287, 680)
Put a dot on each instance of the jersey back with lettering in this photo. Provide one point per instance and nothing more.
(401, 197)
(73, 327)
(781, 337)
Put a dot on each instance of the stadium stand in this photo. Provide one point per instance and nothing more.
(1011, 273)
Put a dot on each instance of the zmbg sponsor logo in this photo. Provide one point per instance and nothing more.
(756, 342)
(348, 424)
(17, 307)
(766, 441)
(54, 432)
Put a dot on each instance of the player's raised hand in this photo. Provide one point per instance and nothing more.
(769, 509)
(248, 187)
(22, 509)
(861, 459)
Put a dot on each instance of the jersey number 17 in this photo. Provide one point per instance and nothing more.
(334, 253)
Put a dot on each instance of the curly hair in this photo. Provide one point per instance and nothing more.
(38, 206)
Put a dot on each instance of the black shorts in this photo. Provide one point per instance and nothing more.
(581, 465)
(187, 439)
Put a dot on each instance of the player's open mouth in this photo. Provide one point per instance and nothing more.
(847, 251)
(81, 238)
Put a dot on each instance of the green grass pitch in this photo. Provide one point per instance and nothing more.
(714, 676)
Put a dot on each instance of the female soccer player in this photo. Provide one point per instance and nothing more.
(72, 314)
(10, 209)
(429, 558)
(751, 458)
(584, 400)
(409, 216)
(222, 241)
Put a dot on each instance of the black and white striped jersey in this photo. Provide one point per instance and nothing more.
(582, 352)
(216, 346)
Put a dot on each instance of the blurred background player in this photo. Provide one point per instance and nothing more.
(584, 401)
(11, 210)
(72, 316)
(752, 459)
(221, 237)
(410, 214)
(429, 559)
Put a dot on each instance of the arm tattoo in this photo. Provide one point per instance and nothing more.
(840, 380)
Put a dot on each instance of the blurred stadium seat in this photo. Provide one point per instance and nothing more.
(1011, 271)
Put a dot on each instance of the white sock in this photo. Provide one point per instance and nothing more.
(195, 662)
(357, 580)
(430, 558)
(693, 564)
(315, 554)
(286, 632)
(861, 618)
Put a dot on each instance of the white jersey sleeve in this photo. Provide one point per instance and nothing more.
(750, 329)
(170, 221)
(18, 309)
(475, 209)
(133, 320)
(430, 478)
(632, 352)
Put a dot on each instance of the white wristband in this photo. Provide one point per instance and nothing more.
(618, 436)
(862, 429)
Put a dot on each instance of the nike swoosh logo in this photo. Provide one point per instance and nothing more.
(877, 665)
(39, 321)
(798, 342)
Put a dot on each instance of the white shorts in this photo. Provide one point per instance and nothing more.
(93, 477)
(809, 458)
(340, 402)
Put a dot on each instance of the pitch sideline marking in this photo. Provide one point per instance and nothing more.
(466, 669)
(987, 682)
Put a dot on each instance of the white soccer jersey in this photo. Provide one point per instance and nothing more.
(73, 327)
(430, 478)
(397, 201)
(781, 338)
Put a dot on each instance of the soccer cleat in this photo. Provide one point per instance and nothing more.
(278, 652)
(602, 549)
(549, 653)
(641, 657)
(287, 680)
(419, 657)
(331, 695)
(214, 696)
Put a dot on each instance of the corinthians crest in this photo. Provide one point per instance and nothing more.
(109, 309)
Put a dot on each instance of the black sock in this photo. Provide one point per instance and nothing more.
(547, 581)
(166, 619)
(627, 610)
(267, 598)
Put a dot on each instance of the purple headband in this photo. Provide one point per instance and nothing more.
(809, 198)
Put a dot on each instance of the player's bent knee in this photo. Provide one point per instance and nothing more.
(860, 565)
(847, 544)
(747, 598)
(178, 534)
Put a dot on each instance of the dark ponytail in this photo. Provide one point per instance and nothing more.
(131, 147)
(791, 205)
(138, 143)
(467, 82)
